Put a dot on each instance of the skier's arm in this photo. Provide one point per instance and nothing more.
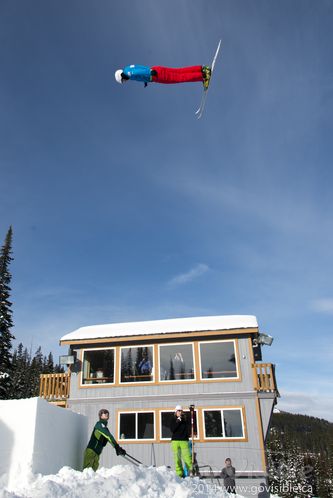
(102, 431)
(174, 424)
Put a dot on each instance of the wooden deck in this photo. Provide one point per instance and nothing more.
(55, 388)
(264, 377)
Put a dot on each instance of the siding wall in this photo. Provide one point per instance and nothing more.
(246, 455)
(266, 409)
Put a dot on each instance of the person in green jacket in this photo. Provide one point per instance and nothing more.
(100, 436)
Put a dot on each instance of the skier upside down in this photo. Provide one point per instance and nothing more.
(162, 74)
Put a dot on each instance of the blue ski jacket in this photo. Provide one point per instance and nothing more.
(138, 73)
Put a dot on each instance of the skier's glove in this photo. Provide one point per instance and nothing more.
(119, 450)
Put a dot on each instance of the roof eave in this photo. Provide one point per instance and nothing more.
(159, 335)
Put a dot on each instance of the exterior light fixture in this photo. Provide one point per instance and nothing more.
(264, 340)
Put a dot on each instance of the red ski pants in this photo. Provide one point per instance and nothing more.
(177, 74)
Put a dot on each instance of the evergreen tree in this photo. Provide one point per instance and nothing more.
(138, 358)
(48, 365)
(127, 371)
(36, 370)
(299, 454)
(59, 369)
(21, 373)
(6, 323)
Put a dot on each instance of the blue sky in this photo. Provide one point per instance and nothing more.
(125, 207)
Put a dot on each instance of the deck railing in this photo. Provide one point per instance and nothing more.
(264, 377)
(54, 387)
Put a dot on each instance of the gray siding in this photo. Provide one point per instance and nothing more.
(246, 455)
(266, 409)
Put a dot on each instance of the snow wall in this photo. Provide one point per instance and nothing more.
(38, 437)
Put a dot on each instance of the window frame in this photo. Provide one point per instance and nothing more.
(136, 440)
(221, 409)
(168, 439)
(144, 382)
(174, 381)
(220, 379)
(102, 384)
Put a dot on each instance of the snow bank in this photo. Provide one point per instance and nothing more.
(37, 437)
(122, 481)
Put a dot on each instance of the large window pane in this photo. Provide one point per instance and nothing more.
(137, 364)
(166, 419)
(98, 366)
(176, 362)
(136, 425)
(127, 426)
(218, 360)
(213, 423)
(232, 421)
(231, 427)
(145, 426)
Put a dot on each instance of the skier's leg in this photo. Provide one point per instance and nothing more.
(176, 75)
(91, 459)
(186, 454)
(177, 457)
(186, 469)
(189, 69)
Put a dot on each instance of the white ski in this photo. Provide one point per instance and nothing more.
(200, 111)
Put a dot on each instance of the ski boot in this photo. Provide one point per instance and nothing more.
(206, 73)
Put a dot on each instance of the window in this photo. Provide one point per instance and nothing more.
(166, 417)
(218, 360)
(136, 425)
(98, 366)
(137, 364)
(176, 362)
(223, 423)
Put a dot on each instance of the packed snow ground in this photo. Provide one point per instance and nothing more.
(121, 481)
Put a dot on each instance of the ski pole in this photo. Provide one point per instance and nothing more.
(132, 458)
(192, 432)
(130, 461)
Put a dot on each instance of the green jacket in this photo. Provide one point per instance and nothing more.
(100, 436)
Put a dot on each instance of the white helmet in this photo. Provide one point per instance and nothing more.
(118, 77)
(178, 408)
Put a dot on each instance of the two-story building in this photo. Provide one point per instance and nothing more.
(139, 371)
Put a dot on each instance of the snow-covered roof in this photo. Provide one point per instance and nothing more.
(173, 325)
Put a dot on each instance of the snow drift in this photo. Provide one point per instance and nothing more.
(37, 437)
(122, 481)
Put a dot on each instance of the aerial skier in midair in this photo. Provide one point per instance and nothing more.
(168, 75)
(162, 74)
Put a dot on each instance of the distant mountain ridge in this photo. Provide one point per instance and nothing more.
(300, 456)
(310, 433)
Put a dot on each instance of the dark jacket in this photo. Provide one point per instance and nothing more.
(100, 437)
(179, 428)
(228, 475)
